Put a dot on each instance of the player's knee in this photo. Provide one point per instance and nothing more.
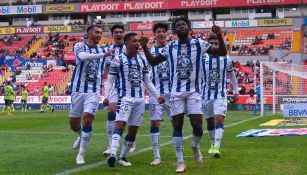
(198, 131)
(219, 120)
(87, 120)
(112, 107)
(120, 125)
(155, 123)
(177, 125)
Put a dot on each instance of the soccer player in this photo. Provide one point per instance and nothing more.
(130, 69)
(45, 95)
(184, 56)
(86, 85)
(24, 97)
(161, 79)
(216, 69)
(9, 95)
(117, 32)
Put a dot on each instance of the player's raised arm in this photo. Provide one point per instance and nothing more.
(84, 56)
(221, 51)
(233, 78)
(152, 60)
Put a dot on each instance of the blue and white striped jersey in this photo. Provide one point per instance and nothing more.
(118, 49)
(185, 64)
(130, 75)
(215, 71)
(87, 76)
(160, 74)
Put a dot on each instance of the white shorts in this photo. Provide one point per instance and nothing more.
(185, 102)
(130, 110)
(83, 102)
(113, 96)
(156, 109)
(215, 107)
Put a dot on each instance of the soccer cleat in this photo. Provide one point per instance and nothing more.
(80, 159)
(197, 154)
(180, 167)
(210, 151)
(132, 149)
(107, 152)
(76, 144)
(216, 152)
(52, 110)
(41, 111)
(9, 114)
(111, 161)
(155, 162)
(124, 162)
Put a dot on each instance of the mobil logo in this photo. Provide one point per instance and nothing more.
(243, 23)
(27, 9)
(5, 10)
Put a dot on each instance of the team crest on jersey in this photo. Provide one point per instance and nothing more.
(214, 77)
(91, 71)
(135, 77)
(163, 71)
(184, 67)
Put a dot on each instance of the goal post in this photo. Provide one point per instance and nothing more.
(281, 83)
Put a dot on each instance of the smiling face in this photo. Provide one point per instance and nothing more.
(182, 29)
(94, 35)
(118, 35)
(132, 44)
(160, 36)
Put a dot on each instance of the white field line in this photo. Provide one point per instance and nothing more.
(96, 164)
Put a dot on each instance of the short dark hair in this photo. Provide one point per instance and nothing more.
(212, 36)
(89, 28)
(117, 26)
(182, 18)
(159, 25)
(128, 36)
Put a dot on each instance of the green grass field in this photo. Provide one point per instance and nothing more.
(34, 143)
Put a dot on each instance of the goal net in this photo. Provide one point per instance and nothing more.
(281, 83)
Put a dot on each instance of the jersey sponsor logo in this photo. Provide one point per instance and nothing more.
(163, 71)
(184, 67)
(91, 71)
(135, 76)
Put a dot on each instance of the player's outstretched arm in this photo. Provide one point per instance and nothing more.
(150, 86)
(108, 87)
(83, 56)
(222, 51)
(152, 60)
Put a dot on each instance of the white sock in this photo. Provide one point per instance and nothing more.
(212, 136)
(85, 138)
(125, 149)
(178, 145)
(155, 142)
(196, 140)
(115, 143)
(218, 137)
(110, 130)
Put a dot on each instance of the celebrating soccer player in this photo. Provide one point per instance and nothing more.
(215, 71)
(117, 32)
(86, 88)
(161, 79)
(184, 56)
(130, 70)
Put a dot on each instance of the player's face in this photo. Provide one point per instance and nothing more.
(95, 35)
(214, 42)
(182, 29)
(160, 35)
(133, 44)
(118, 35)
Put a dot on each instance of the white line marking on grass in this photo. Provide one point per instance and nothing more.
(63, 133)
(96, 164)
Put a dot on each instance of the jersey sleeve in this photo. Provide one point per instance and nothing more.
(78, 48)
(229, 66)
(204, 45)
